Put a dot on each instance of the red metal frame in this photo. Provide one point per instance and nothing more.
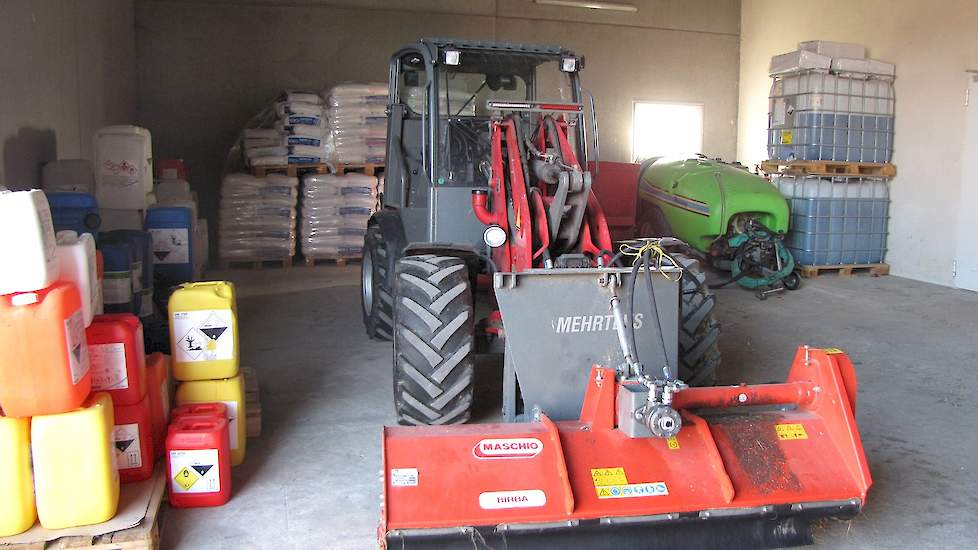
(806, 452)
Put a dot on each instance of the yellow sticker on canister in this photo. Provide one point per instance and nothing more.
(672, 443)
(604, 477)
(830, 351)
(186, 478)
(791, 431)
(786, 137)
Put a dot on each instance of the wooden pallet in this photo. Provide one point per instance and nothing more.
(145, 536)
(845, 270)
(829, 168)
(312, 262)
(256, 264)
(252, 401)
(368, 169)
(293, 170)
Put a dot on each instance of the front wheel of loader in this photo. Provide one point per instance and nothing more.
(699, 331)
(433, 340)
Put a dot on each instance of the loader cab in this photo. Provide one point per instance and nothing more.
(438, 145)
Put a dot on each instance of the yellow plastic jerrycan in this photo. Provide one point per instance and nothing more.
(204, 331)
(75, 476)
(229, 391)
(17, 496)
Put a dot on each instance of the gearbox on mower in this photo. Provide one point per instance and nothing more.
(487, 187)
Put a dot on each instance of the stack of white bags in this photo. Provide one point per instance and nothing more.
(335, 210)
(357, 123)
(257, 217)
(298, 135)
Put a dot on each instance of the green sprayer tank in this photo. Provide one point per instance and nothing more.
(699, 197)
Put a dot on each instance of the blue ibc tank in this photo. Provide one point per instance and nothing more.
(142, 268)
(117, 257)
(77, 212)
(171, 228)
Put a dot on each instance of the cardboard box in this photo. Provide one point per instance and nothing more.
(847, 50)
(798, 60)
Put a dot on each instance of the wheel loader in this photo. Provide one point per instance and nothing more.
(489, 209)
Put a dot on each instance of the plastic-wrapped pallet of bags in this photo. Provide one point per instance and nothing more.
(257, 217)
(357, 123)
(297, 134)
(335, 211)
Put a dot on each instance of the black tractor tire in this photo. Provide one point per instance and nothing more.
(376, 292)
(434, 340)
(652, 221)
(699, 331)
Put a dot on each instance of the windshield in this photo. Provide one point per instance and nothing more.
(464, 89)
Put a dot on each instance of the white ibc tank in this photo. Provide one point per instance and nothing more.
(76, 256)
(123, 167)
(28, 250)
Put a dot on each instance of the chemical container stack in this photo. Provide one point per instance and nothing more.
(123, 176)
(76, 415)
(291, 131)
(335, 211)
(203, 325)
(357, 123)
(830, 138)
(257, 217)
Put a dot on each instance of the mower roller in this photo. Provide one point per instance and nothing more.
(604, 444)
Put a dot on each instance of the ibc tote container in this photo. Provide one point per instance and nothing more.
(172, 229)
(230, 392)
(44, 365)
(816, 115)
(123, 167)
(204, 331)
(75, 478)
(16, 477)
(28, 247)
(836, 221)
(76, 212)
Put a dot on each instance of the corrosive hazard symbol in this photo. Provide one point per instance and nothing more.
(205, 335)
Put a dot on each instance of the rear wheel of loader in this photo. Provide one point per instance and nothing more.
(699, 331)
(433, 340)
(375, 287)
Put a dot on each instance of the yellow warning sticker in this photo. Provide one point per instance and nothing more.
(791, 431)
(608, 476)
(786, 137)
(672, 443)
(186, 478)
(830, 351)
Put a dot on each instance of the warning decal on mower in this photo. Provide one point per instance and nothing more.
(531, 498)
(632, 490)
(831, 351)
(603, 477)
(791, 431)
(404, 477)
(523, 447)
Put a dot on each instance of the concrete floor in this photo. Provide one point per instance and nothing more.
(311, 480)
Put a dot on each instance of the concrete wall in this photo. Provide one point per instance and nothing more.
(932, 47)
(206, 67)
(67, 69)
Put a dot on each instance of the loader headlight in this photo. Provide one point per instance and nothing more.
(453, 57)
(494, 236)
(568, 64)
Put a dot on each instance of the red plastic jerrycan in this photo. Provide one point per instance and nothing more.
(117, 357)
(133, 441)
(198, 462)
(216, 410)
(43, 352)
(158, 390)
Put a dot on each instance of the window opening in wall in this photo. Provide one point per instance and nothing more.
(666, 128)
